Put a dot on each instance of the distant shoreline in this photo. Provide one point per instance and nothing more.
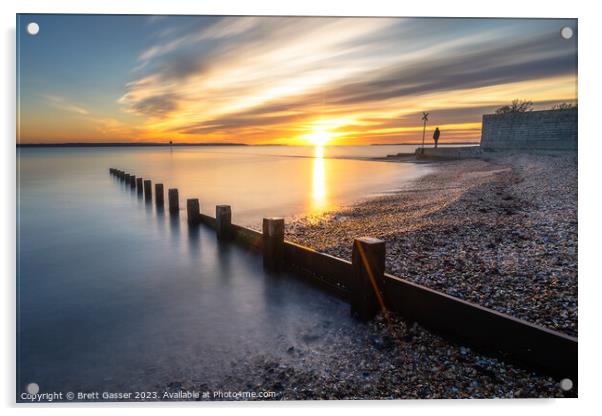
(428, 144)
(155, 144)
(133, 144)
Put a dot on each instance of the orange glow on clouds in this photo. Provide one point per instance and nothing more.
(306, 81)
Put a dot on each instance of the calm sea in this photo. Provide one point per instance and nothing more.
(116, 296)
(256, 181)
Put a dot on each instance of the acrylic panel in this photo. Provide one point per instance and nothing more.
(295, 208)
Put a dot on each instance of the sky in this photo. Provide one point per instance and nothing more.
(281, 80)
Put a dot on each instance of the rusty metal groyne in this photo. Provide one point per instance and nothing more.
(365, 285)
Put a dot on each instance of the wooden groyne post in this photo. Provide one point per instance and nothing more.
(127, 178)
(273, 243)
(139, 185)
(368, 277)
(223, 222)
(159, 194)
(193, 211)
(133, 181)
(148, 192)
(174, 202)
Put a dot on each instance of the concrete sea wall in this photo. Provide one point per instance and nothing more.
(533, 130)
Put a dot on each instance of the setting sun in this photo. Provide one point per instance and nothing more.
(319, 138)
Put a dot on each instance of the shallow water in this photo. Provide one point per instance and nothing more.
(116, 295)
(257, 181)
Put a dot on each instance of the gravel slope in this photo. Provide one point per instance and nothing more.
(380, 360)
(500, 232)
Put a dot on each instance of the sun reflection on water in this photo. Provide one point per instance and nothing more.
(319, 197)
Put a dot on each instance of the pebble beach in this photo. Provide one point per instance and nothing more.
(383, 359)
(499, 231)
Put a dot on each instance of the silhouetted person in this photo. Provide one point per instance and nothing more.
(436, 135)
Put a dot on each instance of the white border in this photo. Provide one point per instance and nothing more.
(589, 184)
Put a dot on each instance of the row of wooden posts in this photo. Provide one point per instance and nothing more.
(272, 227)
(193, 208)
(365, 285)
(368, 258)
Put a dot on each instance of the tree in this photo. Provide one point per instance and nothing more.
(564, 106)
(517, 106)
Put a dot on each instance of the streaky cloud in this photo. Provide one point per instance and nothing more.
(274, 75)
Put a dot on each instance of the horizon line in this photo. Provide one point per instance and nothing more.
(133, 144)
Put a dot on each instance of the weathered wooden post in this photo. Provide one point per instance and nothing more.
(193, 210)
(121, 175)
(133, 181)
(174, 202)
(273, 243)
(127, 178)
(223, 222)
(148, 193)
(368, 276)
(139, 185)
(159, 194)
